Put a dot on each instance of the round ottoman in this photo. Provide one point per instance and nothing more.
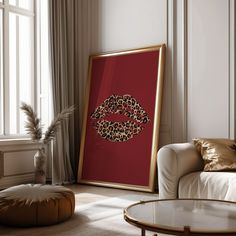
(36, 205)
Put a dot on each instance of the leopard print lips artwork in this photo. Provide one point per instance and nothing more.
(119, 131)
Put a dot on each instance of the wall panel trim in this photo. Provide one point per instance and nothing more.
(232, 86)
(185, 69)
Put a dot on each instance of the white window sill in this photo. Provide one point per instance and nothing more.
(16, 141)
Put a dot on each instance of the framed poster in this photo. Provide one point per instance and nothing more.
(122, 118)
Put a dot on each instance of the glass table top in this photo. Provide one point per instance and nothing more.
(200, 215)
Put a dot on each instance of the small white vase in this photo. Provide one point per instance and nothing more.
(40, 159)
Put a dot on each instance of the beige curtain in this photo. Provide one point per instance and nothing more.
(64, 64)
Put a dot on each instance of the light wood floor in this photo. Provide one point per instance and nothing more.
(101, 193)
(99, 212)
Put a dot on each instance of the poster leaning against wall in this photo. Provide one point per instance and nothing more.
(122, 118)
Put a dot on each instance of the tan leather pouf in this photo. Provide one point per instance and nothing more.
(36, 205)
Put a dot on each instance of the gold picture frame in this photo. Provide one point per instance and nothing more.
(120, 152)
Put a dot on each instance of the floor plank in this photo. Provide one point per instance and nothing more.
(99, 212)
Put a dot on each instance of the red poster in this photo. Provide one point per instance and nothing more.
(120, 132)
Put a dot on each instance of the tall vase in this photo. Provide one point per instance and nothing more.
(40, 159)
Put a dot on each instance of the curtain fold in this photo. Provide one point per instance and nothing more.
(62, 16)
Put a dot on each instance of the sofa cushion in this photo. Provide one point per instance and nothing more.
(218, 154)
(209, 185)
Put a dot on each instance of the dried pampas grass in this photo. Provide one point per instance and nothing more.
(34, 128)
(32, 125)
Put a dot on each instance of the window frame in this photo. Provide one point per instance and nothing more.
(6, 10)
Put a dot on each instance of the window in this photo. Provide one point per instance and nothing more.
(23, 62)
(44, 99)
(25, 4)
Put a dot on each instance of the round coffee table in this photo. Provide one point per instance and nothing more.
(184, 217)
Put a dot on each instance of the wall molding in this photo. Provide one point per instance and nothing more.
(18, 162)
(232, 85)
(180, 90)
(185, 69)
(177, 42)
(8, 181)
(16, 153)
(169, 71)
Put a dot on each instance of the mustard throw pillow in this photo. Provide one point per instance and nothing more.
(218, 154)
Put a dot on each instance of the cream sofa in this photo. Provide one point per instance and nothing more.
(180, 175)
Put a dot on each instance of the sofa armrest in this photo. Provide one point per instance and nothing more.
(174, 161)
